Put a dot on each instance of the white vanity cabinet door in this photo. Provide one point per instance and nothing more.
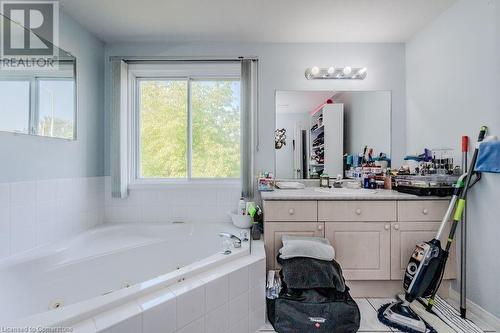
(404, 237)
(273, 231)
(363, 249)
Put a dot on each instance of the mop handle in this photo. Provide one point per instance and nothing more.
(465, 144)
(461, 201)
(460, 208)
(463, 233)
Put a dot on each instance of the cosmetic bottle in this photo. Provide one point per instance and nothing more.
(242, 206)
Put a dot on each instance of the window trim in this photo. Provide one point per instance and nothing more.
(190, 73)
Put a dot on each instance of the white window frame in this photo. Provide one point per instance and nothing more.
(185, 71)
(34, 78)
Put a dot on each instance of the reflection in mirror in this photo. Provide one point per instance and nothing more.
(328, 132)
(39, 100)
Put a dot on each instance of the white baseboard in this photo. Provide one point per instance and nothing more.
(481, 313)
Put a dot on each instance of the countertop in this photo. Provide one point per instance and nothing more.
(316, 193)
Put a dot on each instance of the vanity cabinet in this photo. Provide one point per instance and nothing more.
(356, 211)
(360, 232)
(373, 239)
(286, 211)
(275, 230)
(363, 249)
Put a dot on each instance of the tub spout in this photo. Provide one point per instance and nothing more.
(236, 240)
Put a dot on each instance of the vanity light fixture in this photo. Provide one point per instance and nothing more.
(315, 70)
(347, 71)
(338, 73)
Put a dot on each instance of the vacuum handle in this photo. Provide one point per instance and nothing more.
(482, 133)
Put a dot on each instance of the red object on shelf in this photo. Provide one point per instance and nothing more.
(465, 144)
(328, 101)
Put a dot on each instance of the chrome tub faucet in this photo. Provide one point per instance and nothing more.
(236, 240)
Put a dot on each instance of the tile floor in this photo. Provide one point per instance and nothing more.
(370, 323)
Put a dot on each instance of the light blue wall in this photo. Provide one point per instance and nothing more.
(453, 84)
(24, 157)
(282, 66)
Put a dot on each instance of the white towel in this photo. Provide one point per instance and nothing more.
(308, 247)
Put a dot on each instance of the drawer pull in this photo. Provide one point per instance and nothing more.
(396, 227)
(387, 227)
(291, 211)
(320, 227)
(425, 211)
(358, 211)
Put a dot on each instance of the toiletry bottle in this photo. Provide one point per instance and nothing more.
(388, 180)
(241, 206)
(366, 181)
(324, 180)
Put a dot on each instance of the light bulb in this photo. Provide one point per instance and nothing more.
(331, 70)
(315, 70)
(347, 70)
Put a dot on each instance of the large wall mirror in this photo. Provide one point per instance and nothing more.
(319, 132)
(39, 99)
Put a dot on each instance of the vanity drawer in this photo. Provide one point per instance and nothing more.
(289, 211)
(422, 210)
(346, 211)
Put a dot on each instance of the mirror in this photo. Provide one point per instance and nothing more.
(38, 94)
(327, 131)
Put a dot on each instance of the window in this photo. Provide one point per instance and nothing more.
(216, 128)
(163, 119)
(187, 126)
(38, 105)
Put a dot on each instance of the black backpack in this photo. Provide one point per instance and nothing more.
(304, 310)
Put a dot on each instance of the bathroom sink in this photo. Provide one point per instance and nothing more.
(345, 191)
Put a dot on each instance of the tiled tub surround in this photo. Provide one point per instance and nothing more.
(39, 212)
(207, 202)
(179, 282)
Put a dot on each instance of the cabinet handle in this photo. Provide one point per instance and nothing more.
(396, 227)
(425, 211)
(291, 211)
(387, 227)
(358, 211)
(320, 227)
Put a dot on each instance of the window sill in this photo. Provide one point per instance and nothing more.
(159, 184)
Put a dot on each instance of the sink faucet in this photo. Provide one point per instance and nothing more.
(236, 240)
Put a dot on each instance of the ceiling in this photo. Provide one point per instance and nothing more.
(255, 20)
(291, 101)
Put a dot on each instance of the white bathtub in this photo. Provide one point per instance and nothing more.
(106, 267)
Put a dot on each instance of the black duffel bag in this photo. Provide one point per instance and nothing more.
(308, 273)
(313, 310)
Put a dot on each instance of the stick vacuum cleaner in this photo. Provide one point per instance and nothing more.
(425, 269)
